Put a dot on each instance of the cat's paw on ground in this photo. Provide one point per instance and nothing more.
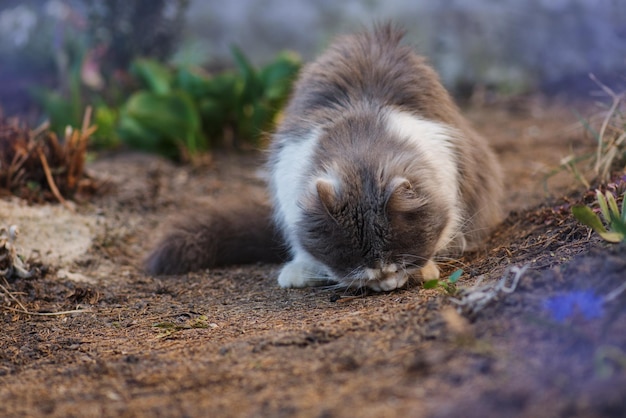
(299, 274)
(390, 283)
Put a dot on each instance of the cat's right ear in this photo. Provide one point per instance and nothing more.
(327, 193)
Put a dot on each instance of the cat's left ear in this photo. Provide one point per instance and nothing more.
(401, 195)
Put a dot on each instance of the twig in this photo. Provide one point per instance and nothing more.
(53, 186)
(26, 312)
(9, 294)
(475, 298)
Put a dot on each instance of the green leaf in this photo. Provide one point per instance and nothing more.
(58, 109)
(586, 216)
(106, 119)
(193, 81)
(243, 64)
(277, 77)
(134, 134)
(156, 77)
(173, 115)
(613, 209)
(431, 284)
(619, 228)
(604, 208)
(613, 237)
(454, 277)
(252, 85)
(162, 123)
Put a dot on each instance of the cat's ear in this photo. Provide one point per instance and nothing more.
(402, 197)
(327, 193)
(400, 185)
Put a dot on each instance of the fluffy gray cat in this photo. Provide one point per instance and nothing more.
(374, 173)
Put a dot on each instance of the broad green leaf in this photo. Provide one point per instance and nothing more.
(193, 81)
(156, 77)
(586, 216)
(174, 114)
(226, 89)
(134, 134)
(613, 237)
(431, 284)
(162, 123)
(277, 76)
(454, 277)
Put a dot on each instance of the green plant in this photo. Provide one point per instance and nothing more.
(449, 284)
(161, 117)
(184, 111)
(176, 112)
(613, 217)
(261, 93)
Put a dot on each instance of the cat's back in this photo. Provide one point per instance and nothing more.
(371, 67)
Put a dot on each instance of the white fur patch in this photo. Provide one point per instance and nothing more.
(300, 273)
(288, 184)
(435, 141)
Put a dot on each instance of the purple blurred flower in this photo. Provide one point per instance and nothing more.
(583, 302)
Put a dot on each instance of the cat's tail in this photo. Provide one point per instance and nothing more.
(237, 232)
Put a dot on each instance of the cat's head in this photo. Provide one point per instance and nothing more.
(365, 228)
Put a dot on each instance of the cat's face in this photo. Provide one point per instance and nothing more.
(366, 231)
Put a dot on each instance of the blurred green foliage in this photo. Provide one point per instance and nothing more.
(180, 112)
(185, 110)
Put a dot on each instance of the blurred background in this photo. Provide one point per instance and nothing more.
(55, 51)
(512, 44)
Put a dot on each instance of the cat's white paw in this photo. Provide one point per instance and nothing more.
(390, 283)
(430, 271)
(298, 274)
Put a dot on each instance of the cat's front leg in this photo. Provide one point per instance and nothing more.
(430, 271)
(301, 272)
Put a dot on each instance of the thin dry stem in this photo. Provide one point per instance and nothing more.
(53, 186)
(10, 295)
(26, 312)
(604, 161)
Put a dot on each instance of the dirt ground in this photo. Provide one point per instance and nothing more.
(230, 343)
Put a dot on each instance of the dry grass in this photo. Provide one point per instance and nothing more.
(37, 166)
(611, 151)
(607, 127)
